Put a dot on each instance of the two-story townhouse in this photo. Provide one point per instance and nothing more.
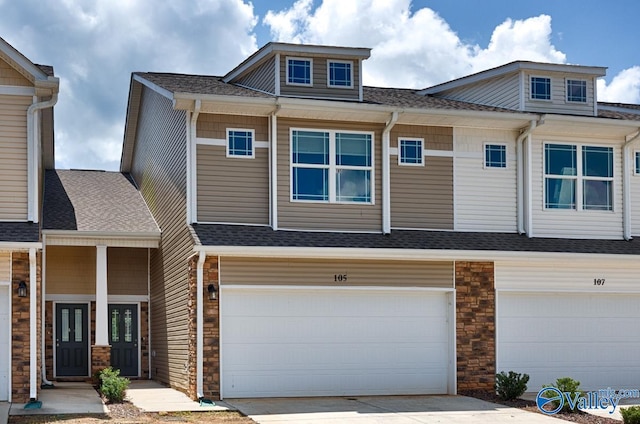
(28, 93)
(321, 237)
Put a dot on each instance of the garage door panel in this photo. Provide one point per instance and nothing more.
(306, 342)
(593, 338)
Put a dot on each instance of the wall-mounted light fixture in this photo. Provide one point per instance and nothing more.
(22, 289)
(212, 292)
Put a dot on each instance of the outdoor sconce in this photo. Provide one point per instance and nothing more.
(22, 289)
(212, 292)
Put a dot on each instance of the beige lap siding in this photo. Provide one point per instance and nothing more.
(323, 215)
(335, 273)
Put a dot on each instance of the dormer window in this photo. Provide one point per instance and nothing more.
(577, 91)
(540, 88)
(299, 71)
(340, 74)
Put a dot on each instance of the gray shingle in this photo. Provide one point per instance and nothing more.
(19, 232)
(238, 235)
(96, 201)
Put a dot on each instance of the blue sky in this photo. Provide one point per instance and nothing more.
(95, 45)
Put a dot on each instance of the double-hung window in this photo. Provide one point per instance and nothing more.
(540, 88)
(410, 151)
(240, 143)
(340, 74)
(299, 71)
(331, 166)
(578, 177)
(577, 91)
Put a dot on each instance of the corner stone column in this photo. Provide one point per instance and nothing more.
(475, 326)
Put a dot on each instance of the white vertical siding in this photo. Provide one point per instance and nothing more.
(571, 223)
(485, 199)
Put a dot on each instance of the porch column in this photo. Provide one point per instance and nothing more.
(102, 312)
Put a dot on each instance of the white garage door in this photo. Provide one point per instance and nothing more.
(4, 343)
(315, 342)
(593, 338)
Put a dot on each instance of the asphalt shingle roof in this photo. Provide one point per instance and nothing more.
(239, 235)
(95, 201)
(19, 232)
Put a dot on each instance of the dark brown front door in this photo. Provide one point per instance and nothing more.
(72, 341)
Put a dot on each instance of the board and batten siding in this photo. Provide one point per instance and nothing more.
(13, 157)
(558, 102)
(232, 190)
(335, 273)
(422, 196)
(320, 86)
(322, 215)
(262, 78)
(502, 91)
(584, 224)
(569, 276)
(485, 199)
(159, 169)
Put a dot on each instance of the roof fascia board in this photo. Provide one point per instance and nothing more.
(10, 245)
(588, 120)
(398, 254)
(162, 91)
(20, 60)
(103, 234)
(596, 71)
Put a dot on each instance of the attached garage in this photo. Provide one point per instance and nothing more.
(289, 341)
(573, 320)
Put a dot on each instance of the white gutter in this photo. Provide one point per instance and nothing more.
(626, 186)
(520, 156)
(192, 204)
(33, 325)
(386, 177)
(149, 350)
(199, 324)
(273, 150)
(33, 155)
(43, 292)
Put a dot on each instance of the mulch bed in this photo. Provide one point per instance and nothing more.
(529, 405)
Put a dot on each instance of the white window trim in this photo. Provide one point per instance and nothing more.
(579, 179)
(253, 143)
(531, 77)
(566, 88)
(506, 156)
(308, 59)
(332, 167)
(421, 141)
(329, 62)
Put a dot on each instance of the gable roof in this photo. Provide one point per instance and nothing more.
(40, 75)
(95, 202)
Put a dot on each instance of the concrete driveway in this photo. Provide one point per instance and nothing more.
(383, 409)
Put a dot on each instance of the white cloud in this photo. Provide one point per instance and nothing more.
(623, 88)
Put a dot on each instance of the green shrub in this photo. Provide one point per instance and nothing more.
(630, 415)
(511, 386)
(112, 386)
(566, 384)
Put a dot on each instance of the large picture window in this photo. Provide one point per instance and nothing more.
(578, 177)
(331, 166)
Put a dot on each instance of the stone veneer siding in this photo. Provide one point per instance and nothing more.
(20, 325)
(475, 325)
(211, 329)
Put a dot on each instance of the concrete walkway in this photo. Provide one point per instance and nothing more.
(151, 396)
(384, 409)
(65, 398)
(4, 412)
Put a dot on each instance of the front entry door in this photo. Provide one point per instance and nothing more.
(123, 338)
(72, 341)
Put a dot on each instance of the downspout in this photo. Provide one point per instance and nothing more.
(520, 174)
(43, 300)
(33, 152)
(33, 325)
(386, 177)
(191, 164)
(200, 324)
(274, 168)
(626, 187)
